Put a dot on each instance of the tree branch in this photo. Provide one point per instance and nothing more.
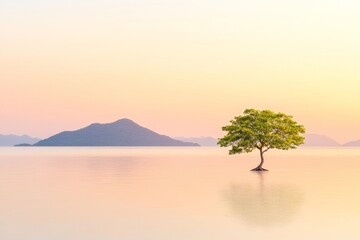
(266, 149)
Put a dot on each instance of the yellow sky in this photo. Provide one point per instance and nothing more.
(181, 68)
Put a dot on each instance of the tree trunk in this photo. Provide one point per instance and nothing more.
(260, 168)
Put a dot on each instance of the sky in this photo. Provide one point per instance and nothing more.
(178, 67)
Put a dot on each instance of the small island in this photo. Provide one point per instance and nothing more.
(23, 145)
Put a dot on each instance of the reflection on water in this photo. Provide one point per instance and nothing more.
(177, 194)
(264, 204)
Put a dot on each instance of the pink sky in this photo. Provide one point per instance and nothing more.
(176, 67)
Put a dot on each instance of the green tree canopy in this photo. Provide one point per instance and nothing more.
(262, 130)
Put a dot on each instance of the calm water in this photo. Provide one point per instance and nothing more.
(177, 193)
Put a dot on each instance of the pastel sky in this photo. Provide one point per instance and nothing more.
(179, 67)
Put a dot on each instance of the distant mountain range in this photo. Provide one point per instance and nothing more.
(202, 141)
(11, 140)
(352, 144)
(316, 140)
(123, 132)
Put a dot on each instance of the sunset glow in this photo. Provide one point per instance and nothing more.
(181, 68)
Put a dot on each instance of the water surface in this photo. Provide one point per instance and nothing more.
(177, 193)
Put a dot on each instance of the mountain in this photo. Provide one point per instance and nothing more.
(316, 140)
(123, 132)
(352, 144)
(11, 140)
(202, 141)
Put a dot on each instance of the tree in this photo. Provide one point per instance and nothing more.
(262, 130)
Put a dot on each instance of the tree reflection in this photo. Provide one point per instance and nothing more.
(264, 204)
